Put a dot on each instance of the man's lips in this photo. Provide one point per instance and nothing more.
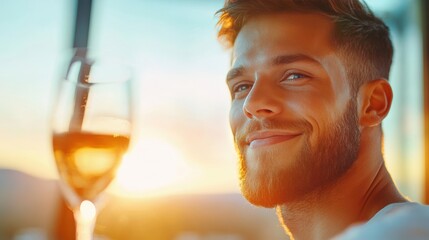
(264, 138)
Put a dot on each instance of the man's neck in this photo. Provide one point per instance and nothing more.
(356, 197)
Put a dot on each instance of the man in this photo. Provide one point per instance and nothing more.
(309, 89)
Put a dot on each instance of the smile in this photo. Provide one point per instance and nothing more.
(266, 138)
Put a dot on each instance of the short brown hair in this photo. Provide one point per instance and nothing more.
(362, 39)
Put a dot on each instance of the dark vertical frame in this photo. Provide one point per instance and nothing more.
(82, 21)
(425, 25)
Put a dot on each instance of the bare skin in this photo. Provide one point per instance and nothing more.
(285, 69)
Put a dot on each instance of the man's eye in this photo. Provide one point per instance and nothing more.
(294, 76)
(241, 88)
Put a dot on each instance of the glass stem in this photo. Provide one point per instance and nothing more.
(85, 224)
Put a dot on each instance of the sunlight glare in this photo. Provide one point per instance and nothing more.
(153, 166)
(87, 210)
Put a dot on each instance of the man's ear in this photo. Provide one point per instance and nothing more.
(374, 101)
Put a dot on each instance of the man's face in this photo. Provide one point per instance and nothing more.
(293, 115)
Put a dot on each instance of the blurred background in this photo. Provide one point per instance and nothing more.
(179, 179)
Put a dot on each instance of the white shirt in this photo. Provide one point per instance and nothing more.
(397, 221)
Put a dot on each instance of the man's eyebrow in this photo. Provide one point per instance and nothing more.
(286, 59)
(235, 72)
(279, 60)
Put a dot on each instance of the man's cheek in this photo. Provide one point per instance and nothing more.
(236, 118)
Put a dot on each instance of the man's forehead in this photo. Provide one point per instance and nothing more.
(283, 34)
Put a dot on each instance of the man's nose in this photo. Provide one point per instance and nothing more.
(262, 101)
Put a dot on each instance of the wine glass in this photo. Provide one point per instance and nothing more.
(91, 130)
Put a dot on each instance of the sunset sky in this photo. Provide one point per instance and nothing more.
(182, 142)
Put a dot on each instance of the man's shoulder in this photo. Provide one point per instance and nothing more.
(401, 211)
(408, 220)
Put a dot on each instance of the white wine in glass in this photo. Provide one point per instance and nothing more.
(91, 130)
